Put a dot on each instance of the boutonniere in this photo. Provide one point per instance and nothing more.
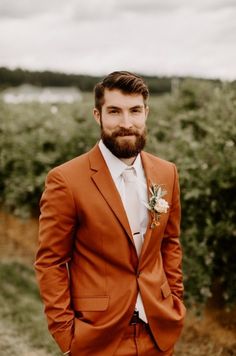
(157, 205)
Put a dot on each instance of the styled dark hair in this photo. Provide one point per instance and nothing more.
(126, 82)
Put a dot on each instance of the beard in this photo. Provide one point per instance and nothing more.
(124, 148)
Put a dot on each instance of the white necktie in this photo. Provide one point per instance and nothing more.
(132, 207)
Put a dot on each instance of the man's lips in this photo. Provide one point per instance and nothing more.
(125, 134)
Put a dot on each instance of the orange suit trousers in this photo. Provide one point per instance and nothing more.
(138, 341)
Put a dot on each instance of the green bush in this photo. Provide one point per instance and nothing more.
(197, 131)
(193, 127)
(37, 137)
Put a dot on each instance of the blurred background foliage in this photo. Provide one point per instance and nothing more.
(193, 126)
(16, 77)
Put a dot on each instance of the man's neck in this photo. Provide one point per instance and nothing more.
(128, 161)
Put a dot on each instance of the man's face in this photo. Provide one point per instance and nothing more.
(122, 120)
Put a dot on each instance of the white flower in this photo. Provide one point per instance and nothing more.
(161, 206)
(157, 205)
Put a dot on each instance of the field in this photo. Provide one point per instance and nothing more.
(193, 127)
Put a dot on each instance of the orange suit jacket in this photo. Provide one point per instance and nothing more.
(87, 266)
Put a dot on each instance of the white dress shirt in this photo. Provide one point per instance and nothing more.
(116, 168)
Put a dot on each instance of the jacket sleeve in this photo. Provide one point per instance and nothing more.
(56, 229)
(171, 248)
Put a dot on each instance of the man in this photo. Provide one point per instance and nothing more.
(109, 258)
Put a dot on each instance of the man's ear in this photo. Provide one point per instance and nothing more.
(97, 116)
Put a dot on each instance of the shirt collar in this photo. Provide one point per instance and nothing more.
(115, 165)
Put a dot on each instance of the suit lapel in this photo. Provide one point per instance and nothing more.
(104, 182)
(150, 178)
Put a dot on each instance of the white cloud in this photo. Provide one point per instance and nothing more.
(28, 8)
(149, 6)
(94, 36)
(95, 9)
(77, 9)
(216, 5)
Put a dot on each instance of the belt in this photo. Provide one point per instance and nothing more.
(135, 319)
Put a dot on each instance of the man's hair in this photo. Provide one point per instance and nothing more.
(126, 82)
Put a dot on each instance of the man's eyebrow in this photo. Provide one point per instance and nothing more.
(131, 108)
(137, 107)
(113, 107)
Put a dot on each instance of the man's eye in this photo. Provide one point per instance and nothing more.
(113, 111)
(136, 110)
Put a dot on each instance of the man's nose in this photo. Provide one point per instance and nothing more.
(125, 121)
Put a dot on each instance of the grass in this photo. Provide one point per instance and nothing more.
(21, 308)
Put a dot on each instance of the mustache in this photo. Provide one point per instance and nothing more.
(125, 132)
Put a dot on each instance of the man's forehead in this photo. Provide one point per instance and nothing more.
(116, 97)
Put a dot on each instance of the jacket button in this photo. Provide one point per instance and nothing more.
(138, 274)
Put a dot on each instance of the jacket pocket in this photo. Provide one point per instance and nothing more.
(91, 303)
(165, 289)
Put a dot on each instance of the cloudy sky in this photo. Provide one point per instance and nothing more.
(160, 37)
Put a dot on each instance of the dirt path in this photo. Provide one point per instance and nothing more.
(11, 344)
(207, 337)
(18, 237)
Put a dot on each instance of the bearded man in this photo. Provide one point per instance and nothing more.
(109, 257)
